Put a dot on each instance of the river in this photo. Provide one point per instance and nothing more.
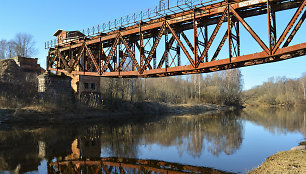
(206, 143)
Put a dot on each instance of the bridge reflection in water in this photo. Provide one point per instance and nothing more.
(125, 165)
(86, 148)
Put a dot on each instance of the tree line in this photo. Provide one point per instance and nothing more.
(279, 91)
(224, 88)
(22, 45)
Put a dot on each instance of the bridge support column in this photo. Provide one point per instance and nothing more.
(55, 88)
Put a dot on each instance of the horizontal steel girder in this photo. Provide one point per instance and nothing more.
(241, 61)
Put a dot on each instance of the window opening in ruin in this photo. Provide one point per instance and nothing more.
(86, 85)
(93, 86)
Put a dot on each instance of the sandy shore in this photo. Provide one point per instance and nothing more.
(292, 161)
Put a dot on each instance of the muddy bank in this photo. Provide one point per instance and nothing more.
(37, 114)
(292, 161)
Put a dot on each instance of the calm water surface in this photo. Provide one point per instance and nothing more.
(227, 142)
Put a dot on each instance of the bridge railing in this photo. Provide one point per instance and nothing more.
(165, 7)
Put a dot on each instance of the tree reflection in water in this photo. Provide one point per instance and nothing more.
(219, 133)
(22, 147)
(278, 120)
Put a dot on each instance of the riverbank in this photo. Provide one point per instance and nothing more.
(292, 161)
(79, 112)
(267, 106)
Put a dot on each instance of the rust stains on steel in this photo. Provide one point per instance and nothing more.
(139, 50)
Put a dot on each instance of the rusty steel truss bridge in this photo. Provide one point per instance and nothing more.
(173, 39)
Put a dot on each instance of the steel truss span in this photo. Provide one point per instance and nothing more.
(180, 43)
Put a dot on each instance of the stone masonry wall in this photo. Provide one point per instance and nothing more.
(55, 86)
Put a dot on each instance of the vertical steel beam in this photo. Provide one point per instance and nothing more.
(195, 35)
(271, 25)
(154, 54)
(166, 49)
(133, 52)
(115, 57)
(238, 37)
(100, 55)
(70, 56)
(141, 45)
(120, 56)
(48, 61)
(229, 33)
(85, 61)
(178, 51)
(206, 37)
(235, 38)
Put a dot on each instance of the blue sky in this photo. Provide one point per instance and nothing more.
(42, 18)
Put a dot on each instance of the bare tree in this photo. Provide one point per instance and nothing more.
(24, 45)
(303, 85)
(7, 49)
(3, 49)
(11, 49)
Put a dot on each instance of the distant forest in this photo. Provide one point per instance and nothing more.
(280, 91)
(224, 88)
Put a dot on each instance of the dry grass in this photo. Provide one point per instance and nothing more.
(293, 161)
(40, 108)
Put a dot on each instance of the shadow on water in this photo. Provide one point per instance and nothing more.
(23, 148)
